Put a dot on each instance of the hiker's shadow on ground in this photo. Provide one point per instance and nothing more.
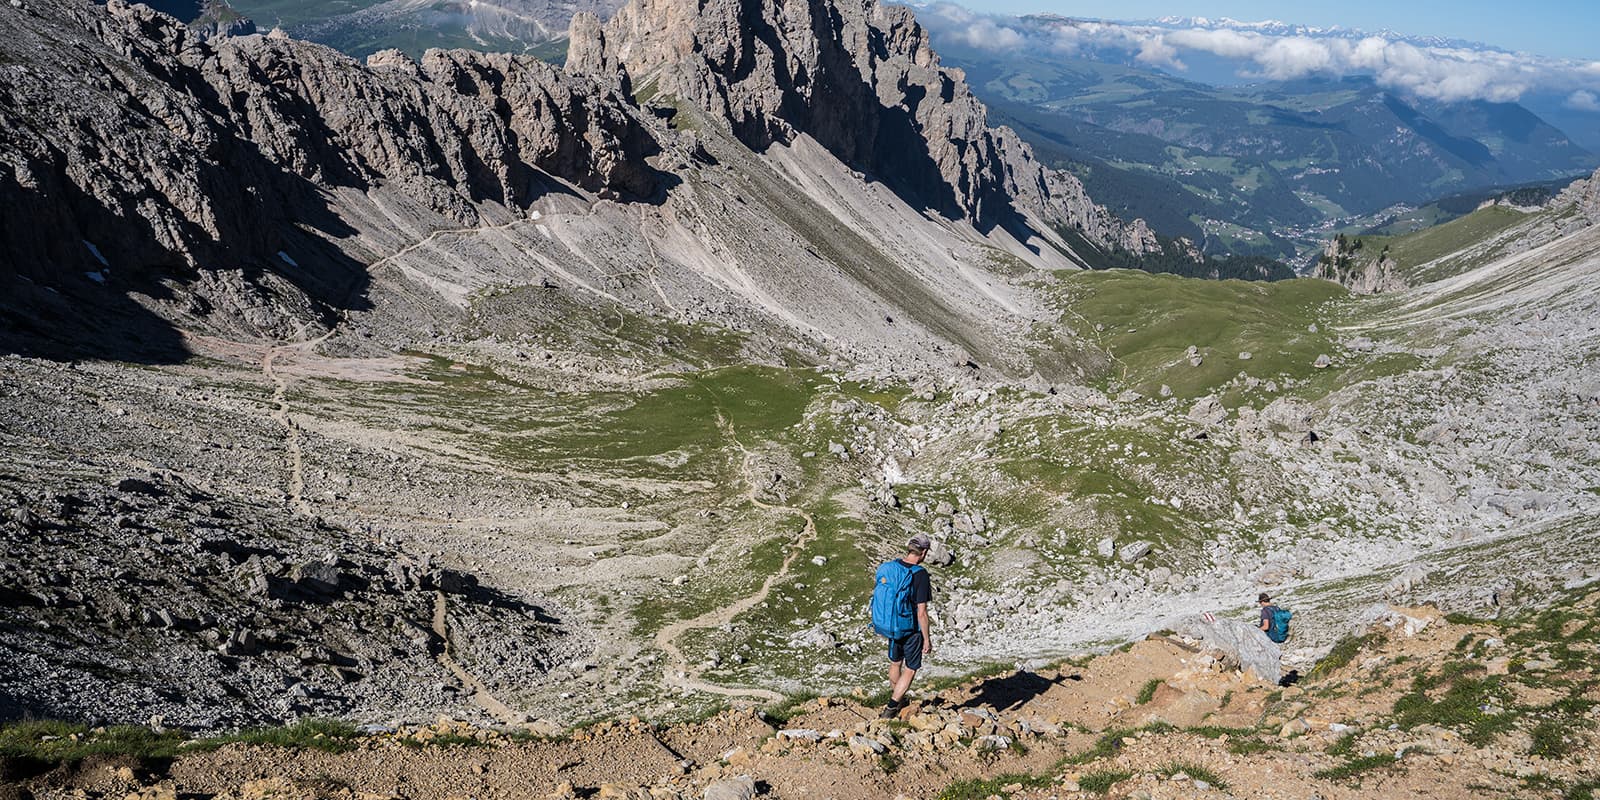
(1013, 691)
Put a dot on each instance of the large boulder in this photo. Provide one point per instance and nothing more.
(1238, 643)
(1209, 410)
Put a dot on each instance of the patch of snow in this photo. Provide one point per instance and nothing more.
(97, 277)
(95, 251)
(534, 215)
(287, 259)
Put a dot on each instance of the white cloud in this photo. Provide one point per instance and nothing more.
(1283, 52)
(1583, 100)
(1295, 57)
(986, 34)
(1156, 52)
(1225, 43)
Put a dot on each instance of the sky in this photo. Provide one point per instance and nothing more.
(1559, 28)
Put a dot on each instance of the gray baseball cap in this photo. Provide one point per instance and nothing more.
(919, 543)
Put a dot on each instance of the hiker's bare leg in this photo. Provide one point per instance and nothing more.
(894, 674)
(902, 682)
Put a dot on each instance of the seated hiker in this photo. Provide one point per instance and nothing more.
(1274, 620)
(900, 595)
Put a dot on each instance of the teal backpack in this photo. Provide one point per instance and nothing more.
(892, 614)
(1278, 625)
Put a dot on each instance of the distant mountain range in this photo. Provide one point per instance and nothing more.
(1264, 169)
(1264, 138)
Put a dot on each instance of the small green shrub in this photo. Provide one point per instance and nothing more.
(1550, 739)
(788, 708)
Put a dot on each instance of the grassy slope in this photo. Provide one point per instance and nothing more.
(1447, 249)
(1150, 321)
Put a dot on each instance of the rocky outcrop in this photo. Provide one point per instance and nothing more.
(1345, 261)
(861, 79)
(1238, 644)
(141, 152)
(1583, 197)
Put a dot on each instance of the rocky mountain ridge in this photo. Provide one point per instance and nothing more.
(246, 185)
(200, 175)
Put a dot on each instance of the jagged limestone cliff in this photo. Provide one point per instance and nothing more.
(860, 78)
(165, 164)
(1346, 261)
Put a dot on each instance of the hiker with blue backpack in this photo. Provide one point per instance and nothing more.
(900, 594)
(1274, 620)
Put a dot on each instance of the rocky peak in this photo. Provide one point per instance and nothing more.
(1583, 196)
(860, 78)
(172, 153)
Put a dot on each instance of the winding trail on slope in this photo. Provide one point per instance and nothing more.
(480, 694)
(297, 471)
(678, 672)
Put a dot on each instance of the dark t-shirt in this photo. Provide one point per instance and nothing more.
(1266, 613)
(921, 586)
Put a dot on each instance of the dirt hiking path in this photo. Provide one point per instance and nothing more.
(480, 694)
(297, 474)
(678, 671)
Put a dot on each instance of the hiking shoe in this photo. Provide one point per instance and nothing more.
(892, 710)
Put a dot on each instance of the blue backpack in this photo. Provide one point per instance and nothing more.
(892, 613)
(1278, 625)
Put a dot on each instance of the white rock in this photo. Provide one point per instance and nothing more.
(1134, 551)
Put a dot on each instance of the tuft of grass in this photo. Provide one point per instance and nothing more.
(1109, 743)
(1193, 770)
(984, 788)
(1345, 746)
(63, 742)
(1251, 746)
(1102, 781)
(788, 708)
(1582, 791)
(1356, 767)
(1343, 652)
(1217, 731)
(1147, 692)
(1550, 739)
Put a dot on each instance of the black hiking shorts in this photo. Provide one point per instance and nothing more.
(907, 648)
